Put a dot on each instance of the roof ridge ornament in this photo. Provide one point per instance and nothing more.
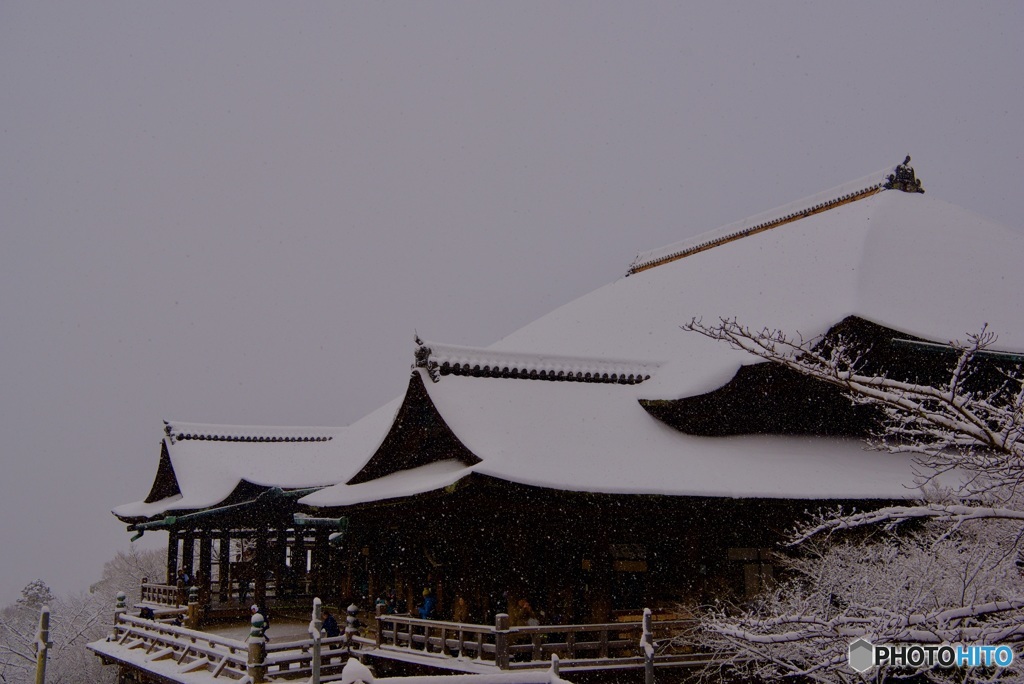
(827, 200)
(424, 359)
(439, 360)
(904, 178)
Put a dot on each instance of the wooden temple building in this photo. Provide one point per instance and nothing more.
(600, 460)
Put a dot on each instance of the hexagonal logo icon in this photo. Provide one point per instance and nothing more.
(862, 655)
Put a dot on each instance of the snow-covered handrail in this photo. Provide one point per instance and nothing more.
(526, 646)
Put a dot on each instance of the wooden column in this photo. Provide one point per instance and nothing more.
(224, 566)
(298, 546)
(188, 552)
(260, 568)
(172, 557)
(601, 574)
(319, 562)
(280, 567)
(205, 567)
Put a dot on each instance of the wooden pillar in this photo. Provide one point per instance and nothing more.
(224, 566)
(601, 589)
(372, 579)
(347, 566)
(205, 567)
(281, 576)
(188, 551)
(298, 545)
(172, 557)
(260, 568)
(319, 561)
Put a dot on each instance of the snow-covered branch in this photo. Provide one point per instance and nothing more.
(895, 515)
(950, 427)
(951, 577)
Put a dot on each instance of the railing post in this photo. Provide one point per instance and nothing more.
(314, 631)
(43, 644)
(120, 608)
(380, 627)
(192, 617)
(351, 624)
(647, 644)
(256, 666)
(501, 625)
(554, 666)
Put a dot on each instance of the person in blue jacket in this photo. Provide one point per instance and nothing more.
(429, 602)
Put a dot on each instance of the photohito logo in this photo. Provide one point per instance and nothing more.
(864, 655)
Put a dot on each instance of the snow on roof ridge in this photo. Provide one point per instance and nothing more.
(245, 433)
(445, 359)
(851, 191)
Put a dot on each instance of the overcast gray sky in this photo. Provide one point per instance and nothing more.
(238, 212)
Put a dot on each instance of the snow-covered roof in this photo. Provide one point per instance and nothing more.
(794, 211)
(208, 462)
(909, 262)
(597, 438)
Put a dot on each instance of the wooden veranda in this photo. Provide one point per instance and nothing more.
(151, 650)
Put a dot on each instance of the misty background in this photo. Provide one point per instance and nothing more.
(239, 212)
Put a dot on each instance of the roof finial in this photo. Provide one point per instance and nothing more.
(423, 359)
(904, 178)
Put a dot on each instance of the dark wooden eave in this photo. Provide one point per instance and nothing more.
(766, 398)
(418, 436)
(248, 505)
(166, 482)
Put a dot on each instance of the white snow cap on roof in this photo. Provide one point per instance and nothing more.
(907, 261)
(210, 461)
(820, 201)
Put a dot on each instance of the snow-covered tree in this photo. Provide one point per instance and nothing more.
(75, 620)
(125, 572)
(943, 570)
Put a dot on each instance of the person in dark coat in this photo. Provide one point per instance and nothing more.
(331, 628)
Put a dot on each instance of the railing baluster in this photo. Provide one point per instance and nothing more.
(501, 655)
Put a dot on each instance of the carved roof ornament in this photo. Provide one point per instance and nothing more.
(904, 178)
(424, 359)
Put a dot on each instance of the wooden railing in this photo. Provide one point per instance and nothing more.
(175, 651)
(171, 595)
(591, 646)
(172, 652)
(137, 641)
(160, 594)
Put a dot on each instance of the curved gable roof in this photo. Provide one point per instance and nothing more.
(905, 261)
